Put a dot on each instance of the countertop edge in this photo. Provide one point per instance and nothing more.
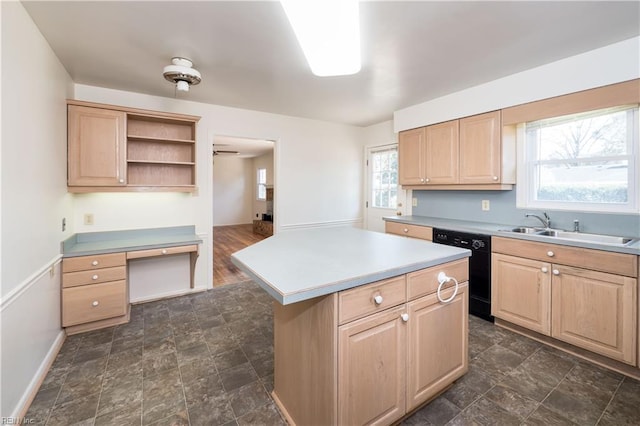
(493, 229)
(329, 288)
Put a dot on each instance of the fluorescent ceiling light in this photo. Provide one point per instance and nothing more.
(328, 32)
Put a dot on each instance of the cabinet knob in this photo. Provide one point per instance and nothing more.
(495, 178)
(95, 277)
(405, 230)
(426, 179)
(121, 181)
(94, 263)
(421, 179)
(405, 317)
(556, 272)
(544, 269)
(378, 299)
(164, 251)
(95, 303)
(550, 253)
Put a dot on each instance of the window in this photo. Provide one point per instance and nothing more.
(586, 162)
(384, 178)
(262, 184)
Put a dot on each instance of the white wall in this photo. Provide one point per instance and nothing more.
(233, 182)
(262, 162)
(610, 64)
(34, 200)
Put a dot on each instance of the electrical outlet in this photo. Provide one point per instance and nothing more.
(414, 202)
(64, 224)
(486, 206)
(88, 218)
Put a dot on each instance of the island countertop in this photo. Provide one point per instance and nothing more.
(302, 264)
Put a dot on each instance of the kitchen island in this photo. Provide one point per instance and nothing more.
(368, 327)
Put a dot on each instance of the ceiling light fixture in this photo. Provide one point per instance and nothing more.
(328, 32)
(182, 74)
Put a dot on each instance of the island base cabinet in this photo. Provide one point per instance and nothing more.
(521, 292)
(371, 369)
(595, 311)
(437, 344)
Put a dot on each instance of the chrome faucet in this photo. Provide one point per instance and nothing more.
(546, 221)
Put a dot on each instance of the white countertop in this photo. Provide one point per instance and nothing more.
(298, 265)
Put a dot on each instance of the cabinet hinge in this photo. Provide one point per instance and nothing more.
(366, 204)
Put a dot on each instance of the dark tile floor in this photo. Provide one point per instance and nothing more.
(207, 359)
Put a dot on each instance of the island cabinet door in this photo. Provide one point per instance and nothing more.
(521, 292)
(437, 344)
(371, 369)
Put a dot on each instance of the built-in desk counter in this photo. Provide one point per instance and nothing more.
(95, 289)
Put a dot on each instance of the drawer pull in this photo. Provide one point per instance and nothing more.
(544, 269)
(405, 230)
(164, 251)
(378, 299)
(95, 277)
(405, 317)
(495, 178)
(94, 263)
(556, 272)
(95, 303)
(550, 253)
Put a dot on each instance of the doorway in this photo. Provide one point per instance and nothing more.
(243, 200)
(384, 196)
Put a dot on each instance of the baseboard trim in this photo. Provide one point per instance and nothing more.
(31, 391)
(168, 295)
(329, 224)
(25, 285)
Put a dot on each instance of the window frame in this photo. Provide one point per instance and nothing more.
(526, 172)
(260, 184)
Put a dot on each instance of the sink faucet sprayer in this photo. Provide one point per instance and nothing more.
(546, 221)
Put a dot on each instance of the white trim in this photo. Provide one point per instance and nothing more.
(168, 294)
(30, 392)
(18, 291)
(329, 224)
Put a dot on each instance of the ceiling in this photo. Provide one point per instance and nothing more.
(249, 58)
(245, 148)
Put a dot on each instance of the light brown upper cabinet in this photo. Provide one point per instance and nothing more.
(114, 148)
(480, 149)
(97, 145)
(429, 155)
(469, 153)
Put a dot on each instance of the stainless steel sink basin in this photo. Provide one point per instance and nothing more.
(523, 230)
(574, 236)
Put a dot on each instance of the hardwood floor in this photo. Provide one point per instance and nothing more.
(227, 240)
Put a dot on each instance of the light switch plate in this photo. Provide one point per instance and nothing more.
(486, 206)
(414, 202)
(88, 218)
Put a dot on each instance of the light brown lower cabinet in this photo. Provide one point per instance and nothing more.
(590, 309)
(333, 366)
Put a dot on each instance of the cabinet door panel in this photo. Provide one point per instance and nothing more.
(371, 369)
(411, 157)
(437, 344)
(521, 292)
(595, 311)
(480, 148)
(441, 153)
(97, 147)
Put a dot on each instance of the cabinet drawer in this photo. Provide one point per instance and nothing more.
(73, 279)
(597, 260)
(414, 231)
(161, 251)
(85, 263)
(361, 301)
(425, 281)
(93, 302)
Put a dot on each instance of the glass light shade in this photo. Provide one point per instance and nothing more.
(328, 32)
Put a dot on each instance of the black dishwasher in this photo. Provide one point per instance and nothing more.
(479, 267)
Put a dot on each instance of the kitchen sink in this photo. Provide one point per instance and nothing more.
(524, 230)
(574, 236)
